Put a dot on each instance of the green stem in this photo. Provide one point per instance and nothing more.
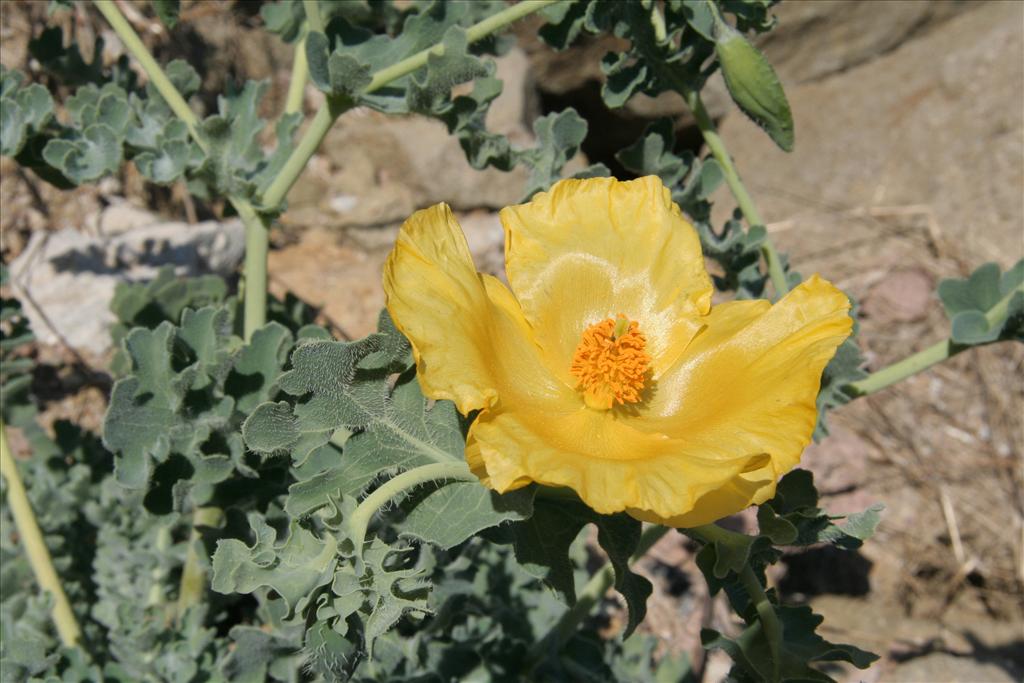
(157, 77)
(766, 614)
(255, 226)
(277, 190)
(588, 598)
(899, 371)
(300, 74)
(922, 360)
(156, 590)
(35, 547)
(313, 16)
(739, 191)
(410, 479)
(257, 248)
(192, 588)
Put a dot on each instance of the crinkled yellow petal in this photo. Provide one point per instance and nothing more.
(611, 466)
(469, 337)
(590, 249)
(748, 383)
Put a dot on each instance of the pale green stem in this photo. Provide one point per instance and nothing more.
(588, 598)
(300, 74)
(157, 77)
(257, 248)
(739, 191)
(163, 544)
(278, 189)
(767, 616)
(31, 538)
(396, 486)
(922, 360)
(313, 16)
(255, 226)
(712, 533)
(192, 589)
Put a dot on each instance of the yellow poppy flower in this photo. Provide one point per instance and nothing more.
(605, 369)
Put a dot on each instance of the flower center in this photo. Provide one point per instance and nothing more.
(610, 363)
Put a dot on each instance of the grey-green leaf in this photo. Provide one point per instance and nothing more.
(449, 515)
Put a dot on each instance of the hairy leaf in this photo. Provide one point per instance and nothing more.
(986, 306)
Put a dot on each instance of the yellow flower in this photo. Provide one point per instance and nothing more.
(605, 369)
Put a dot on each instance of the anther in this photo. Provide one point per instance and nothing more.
(610, 363)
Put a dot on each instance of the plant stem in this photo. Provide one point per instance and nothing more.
(112, 13)
(35, 547)
(588, 598)
(257, 247)
(410, 479)
(313, 16)
(924, 359)
(192, 588)
(300, 74)
(900, 370)
(739, 191)
(766, 614)
(278, 189)
(255, 226)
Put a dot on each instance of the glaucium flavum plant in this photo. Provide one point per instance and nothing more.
(606, 369)
(267, 503)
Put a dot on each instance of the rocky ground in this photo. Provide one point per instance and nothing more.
(908, 168)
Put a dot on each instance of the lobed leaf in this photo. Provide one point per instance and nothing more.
(986, 306)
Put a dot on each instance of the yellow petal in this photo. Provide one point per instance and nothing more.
(610, 465)
(591, 249)
(748, 383)
(469, 337)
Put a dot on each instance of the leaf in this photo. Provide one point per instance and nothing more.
(624, 77)
(986, 306)
(564, 23)
(458, 510)
(254, 375)
(343, 60)
(293, 568)
(801, 646)
(24, 111)
(653, 154)
(167, 10)
(325, 370)
(700, 18)
(402, 433)
(432, 92)
(846, 367)
(89, 157)
(283, 19)
(754, 86)
(542, 548)
(558, 139)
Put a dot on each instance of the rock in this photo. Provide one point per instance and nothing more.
(121, 217)
(901, 296)
(812, 40)
(340, 272)
(839, 463)
(66, 278)
(486, 239)
(382, 168)
(942, 667)
(930, 127)
(342, 281)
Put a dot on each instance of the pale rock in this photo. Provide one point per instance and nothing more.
(931, 128)
(66, 278)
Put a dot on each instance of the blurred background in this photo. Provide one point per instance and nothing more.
(908, 168)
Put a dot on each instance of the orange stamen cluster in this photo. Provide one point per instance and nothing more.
(610, 363)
